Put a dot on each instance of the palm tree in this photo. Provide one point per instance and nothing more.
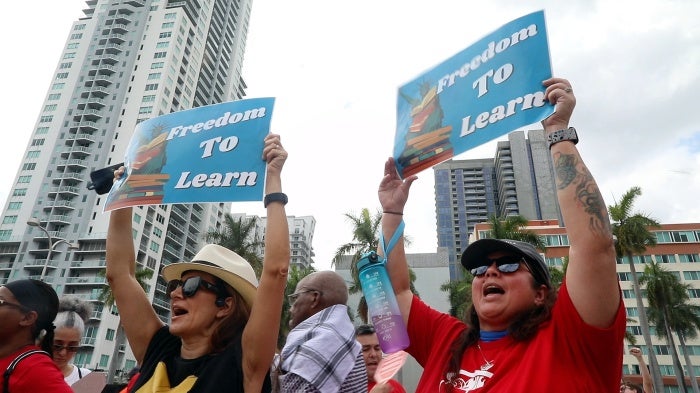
(632, 234)
(459, 292)
(512, 227)
(107, 297)
(365, 238)
(670, 311)
(239, 236)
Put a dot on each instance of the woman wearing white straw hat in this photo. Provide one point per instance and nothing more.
(223, 331)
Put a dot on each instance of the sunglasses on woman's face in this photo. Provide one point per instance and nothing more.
(191, 285)
(504, 264)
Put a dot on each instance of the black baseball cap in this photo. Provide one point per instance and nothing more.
(477, 252)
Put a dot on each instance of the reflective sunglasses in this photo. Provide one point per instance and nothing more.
(504, 264)
(191, 285)
(69, 348)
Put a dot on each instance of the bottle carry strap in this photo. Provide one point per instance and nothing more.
(392, 242)
(11, 367)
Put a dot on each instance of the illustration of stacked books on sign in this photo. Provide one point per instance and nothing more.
(427, 141)
(144, 184)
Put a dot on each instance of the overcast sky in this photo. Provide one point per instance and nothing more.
(335, 67)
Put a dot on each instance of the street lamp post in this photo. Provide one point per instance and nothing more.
(34, 222)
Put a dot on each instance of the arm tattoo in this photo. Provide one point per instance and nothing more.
(570, 170)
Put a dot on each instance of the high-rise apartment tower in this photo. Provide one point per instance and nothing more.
(124, 62)
(519, 180)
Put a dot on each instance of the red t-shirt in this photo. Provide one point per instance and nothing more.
(395, 385)
(35, 373)
(565, 355)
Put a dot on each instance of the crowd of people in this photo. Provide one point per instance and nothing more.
(519, 334)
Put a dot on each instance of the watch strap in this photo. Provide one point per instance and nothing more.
(568, 134)
(275, 197)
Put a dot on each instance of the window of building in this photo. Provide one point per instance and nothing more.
(155, 66)
(110, 335)
(666, 258)
(69, 55)
(5, 234)
(14, 206)
(46, 119)
(72, 45)
(54, 96)
(160, 218)
(165, 34)
(170, 16)
(154, 246)
(38, 141)
(24, 179)
(62, 75)
(19, 192)
(163, 44)
(145, 110)
(689, 258)
(160, 55)
(76, 36)
(149, 98)
(33, 154)
(157, 232)
(50, 107)
(79, 27)
(104, 361)
(167, 25)
(154, 75)
(151, 87)
(42, 130)
(9, 220)
(29, 166)
(57, 86)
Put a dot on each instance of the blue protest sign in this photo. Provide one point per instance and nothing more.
(207, 154)
(487, 90)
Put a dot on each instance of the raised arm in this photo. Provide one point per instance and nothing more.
(393, 194)
(591, 278)
(647, 383)
(137, 316)
(260, 334)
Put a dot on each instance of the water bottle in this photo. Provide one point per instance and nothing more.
(383, 309)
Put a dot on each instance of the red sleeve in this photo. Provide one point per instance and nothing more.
(38, 373)
(429, 329)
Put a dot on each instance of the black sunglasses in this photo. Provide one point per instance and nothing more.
(191, 285)
(69, 348)
(504, 264)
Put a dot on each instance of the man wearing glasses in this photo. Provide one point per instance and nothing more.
(321, 354)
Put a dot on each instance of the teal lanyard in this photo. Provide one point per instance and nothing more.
(392, 242)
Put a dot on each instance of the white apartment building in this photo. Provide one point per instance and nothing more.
(124, 62)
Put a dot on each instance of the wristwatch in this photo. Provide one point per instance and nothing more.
(568, 134)
(275, 197)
